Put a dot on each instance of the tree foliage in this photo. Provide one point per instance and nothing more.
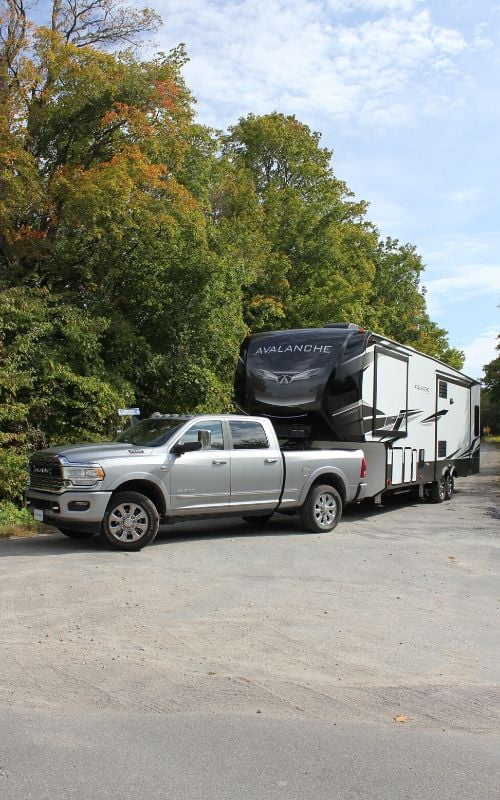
(138, 247)
(491, 393)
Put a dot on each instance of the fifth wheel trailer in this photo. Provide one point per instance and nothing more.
(418, 418)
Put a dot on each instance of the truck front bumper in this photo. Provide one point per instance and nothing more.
(71, 510)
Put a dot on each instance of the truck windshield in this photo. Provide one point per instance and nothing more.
(150, 432)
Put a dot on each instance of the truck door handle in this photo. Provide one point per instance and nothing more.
(219, 461)
(270, 460)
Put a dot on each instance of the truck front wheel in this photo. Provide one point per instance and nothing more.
(131, 521)
(322, 509)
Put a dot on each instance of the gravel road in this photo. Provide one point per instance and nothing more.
(386, 630)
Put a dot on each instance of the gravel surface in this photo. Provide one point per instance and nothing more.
(389, 624)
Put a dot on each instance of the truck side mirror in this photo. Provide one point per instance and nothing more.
(188, 447)
(205, 437)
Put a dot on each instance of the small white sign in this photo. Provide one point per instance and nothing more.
(129, 412)
(38, 514)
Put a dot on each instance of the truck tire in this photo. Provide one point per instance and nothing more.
(76, 534)
(438, 490)
(258, 519)
(449, 486)
(131, 521)
(322, 509)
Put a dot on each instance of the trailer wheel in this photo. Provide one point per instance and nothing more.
(131, 521)
(438, 490)
(76, 534)
(322, 509)
(449, 486)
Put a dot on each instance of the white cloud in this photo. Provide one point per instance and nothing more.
(377, 6)
(480, 351)
(463, 249)
(371, 63)
(465, 195)
(464, 287)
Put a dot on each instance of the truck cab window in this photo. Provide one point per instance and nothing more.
(248, 435)
(215, 428)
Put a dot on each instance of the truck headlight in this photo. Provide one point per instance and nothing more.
(83, 476)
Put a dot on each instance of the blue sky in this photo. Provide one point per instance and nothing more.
(407, 95)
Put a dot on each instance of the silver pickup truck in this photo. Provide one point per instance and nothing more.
(169, 468)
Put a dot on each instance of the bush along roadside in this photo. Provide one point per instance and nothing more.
(16, 521)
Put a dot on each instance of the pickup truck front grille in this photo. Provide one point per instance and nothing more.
(45, 473)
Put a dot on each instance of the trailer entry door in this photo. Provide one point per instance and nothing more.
(453, 419)
(390, 394)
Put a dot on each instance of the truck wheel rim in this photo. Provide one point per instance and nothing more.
(128, 522)
(325, 510)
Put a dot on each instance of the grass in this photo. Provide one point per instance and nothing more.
(491, 440)
(16, 521)
(10, 530)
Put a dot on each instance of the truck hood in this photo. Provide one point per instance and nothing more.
(97, 452)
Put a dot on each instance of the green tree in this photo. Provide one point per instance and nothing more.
(318, 263)
(53, 383)
(107, 226)
(490, 396)
(492, 376)
(397, 307)
(116, 216)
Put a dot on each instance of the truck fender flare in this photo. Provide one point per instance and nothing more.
(327, 471)
(144, 477)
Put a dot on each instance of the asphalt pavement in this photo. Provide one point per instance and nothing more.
(228, 661)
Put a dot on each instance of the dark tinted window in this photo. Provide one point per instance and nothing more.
(248, 435)
(215, 428)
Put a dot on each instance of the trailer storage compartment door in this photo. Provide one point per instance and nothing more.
(408, 465)
(397, 465)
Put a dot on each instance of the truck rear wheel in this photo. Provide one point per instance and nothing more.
(131, 521)
(322, 509)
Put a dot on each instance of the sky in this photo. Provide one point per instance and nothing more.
(407, 95)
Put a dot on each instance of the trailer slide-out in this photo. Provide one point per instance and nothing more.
(418, 418)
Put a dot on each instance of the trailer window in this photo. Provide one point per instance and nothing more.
(476, 420)
(443, 389)
(441, 449)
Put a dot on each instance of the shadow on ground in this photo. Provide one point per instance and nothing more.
(55, 543)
